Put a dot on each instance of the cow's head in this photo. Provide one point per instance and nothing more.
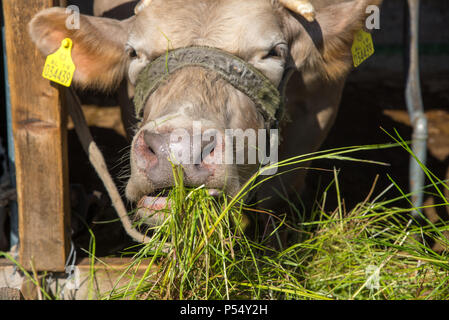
(263, 33)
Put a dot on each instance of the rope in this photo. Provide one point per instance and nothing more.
(97, 160)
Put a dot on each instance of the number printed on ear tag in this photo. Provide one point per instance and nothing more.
(362, 48)
(59, 66)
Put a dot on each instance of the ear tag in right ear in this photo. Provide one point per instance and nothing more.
(59, 66)
(362, 48)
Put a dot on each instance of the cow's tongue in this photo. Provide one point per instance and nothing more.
(151, 210)
(153, 203)
(160, 202)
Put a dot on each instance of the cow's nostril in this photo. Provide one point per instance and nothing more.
(157, 152)
(151, 150)
(154, 142)
(208, 150)
(207, 153)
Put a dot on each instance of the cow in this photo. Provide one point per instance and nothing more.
(300, 48)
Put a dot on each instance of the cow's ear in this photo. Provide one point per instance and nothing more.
(98, 45)
(322, 48)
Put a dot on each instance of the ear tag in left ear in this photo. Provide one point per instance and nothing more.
(362, 48)
(59, 66)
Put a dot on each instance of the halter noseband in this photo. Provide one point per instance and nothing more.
(240, 74)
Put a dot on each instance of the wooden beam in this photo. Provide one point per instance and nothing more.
(40, 135)
(93, 283)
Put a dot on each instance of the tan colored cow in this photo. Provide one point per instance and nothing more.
(311, 38)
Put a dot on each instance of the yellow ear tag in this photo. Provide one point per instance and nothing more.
(362, 48)
(59, 66)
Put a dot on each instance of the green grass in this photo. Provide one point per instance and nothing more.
(374, 251)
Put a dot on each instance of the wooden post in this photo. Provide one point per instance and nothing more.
(40, 135)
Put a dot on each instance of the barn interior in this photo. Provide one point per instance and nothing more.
(373, 100)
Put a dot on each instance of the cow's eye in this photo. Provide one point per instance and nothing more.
(278, 51)
(131, 52)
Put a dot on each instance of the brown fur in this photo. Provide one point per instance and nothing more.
(322, 48)
(319, 47)
(320, 51)
(100, 64)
